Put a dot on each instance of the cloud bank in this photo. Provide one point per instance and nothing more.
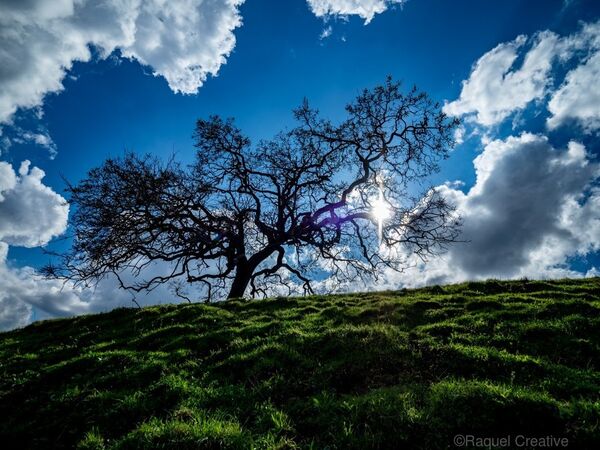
(24, 291)
(183, 41)
(531, 208)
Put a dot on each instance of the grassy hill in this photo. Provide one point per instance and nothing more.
(406, 369)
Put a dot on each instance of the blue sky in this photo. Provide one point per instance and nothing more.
(110, 103)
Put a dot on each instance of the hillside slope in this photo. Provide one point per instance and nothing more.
(406, 369)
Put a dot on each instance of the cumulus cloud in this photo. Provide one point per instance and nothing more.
(499, 85)
(31, 213)
(365, 9)
(528, 198)
(183, 41)
(578, 98)
(495, 89)
(532, 207)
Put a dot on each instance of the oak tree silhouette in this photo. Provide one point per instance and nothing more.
(243, 217)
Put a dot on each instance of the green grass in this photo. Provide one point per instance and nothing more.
(406, 369)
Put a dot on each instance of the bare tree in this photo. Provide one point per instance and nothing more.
(343, 200)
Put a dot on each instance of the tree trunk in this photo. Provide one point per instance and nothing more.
(244, 271)
(240, 282)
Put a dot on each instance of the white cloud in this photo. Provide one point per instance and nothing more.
(527, 195)
(31, 213)
(365, 9)
(8, 179)
(459, 135)
(23, 288)
(183, 41)
(532, 207)
(24, 291)
(499, 85)
(40, 137)
(525, 215)
(495, 89)
(13, 311)
(578, 99)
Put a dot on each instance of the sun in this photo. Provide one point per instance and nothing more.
(381, 212)
(381, 209)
